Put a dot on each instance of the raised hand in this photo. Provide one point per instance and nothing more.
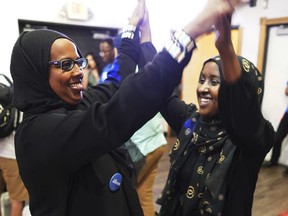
(223, 31)
(138, 13)
(230, 65)
(145, 28)
(209, 16)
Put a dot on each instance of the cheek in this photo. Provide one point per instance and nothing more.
(197, 88)
(52, 79)
(215, 92)
(56, 80)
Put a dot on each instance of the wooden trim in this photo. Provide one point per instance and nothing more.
(262, 41)
(277, 21)
(264, 27)
(240, 33)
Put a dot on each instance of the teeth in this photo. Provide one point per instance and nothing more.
(205, 100)
(75, 84)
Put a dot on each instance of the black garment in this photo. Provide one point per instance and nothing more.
(248, 131)
(67, 155)
(281, 133)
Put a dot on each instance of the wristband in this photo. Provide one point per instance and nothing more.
(175, 50)
(179, 45)
(128, 32)
(184, 39)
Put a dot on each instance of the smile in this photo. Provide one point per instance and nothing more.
(204, 101)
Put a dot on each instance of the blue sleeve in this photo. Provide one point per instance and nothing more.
(126, 61)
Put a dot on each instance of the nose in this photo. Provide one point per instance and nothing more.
(205, 86)
(77, 71)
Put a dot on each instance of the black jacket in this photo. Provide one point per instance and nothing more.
(247, 129)
(67, 156)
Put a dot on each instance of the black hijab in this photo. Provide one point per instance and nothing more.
(204, 160)
(250, 69)
(30, 70)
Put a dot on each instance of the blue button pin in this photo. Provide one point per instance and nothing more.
(115, 182)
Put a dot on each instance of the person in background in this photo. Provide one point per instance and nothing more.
(220, 146)
(10, 179)
(92, 71)
(17, 192)
(107, 53)
(281, 133)
(151, 142)
(69, 146)
(150, 138)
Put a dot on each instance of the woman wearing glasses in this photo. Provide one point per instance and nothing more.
(69, 145)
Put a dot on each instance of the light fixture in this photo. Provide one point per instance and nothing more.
(76, 10)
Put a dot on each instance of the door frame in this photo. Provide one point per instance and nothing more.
(265, 25)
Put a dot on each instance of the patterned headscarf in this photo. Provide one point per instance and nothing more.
(247, 66)
(30, 70)
(206, 152)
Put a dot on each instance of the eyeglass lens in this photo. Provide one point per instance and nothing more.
(68, 64)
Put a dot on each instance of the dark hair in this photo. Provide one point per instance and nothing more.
(109, 41)
(97, 59)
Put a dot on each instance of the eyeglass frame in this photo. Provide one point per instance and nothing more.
(59, 63)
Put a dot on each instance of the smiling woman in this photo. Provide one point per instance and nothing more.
(69, 146)
(66, 79)
(207, 90)
(217, 144)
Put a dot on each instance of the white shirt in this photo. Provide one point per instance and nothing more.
(7, 149)
(150, 136)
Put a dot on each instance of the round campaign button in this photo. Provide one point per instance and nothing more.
(115, 182)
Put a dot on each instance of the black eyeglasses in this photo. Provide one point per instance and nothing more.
(68, 64)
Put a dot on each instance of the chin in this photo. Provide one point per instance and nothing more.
(203, 112)
(74, 100)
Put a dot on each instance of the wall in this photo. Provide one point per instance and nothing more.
(164, 16)
(108, 13)
(276, 77)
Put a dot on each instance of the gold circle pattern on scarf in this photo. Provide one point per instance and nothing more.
(190, 192)
(194, 138)
(200, 170)
(176, 145)
(221, 159)
(246, 65)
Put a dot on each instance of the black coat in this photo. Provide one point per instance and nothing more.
(247, 129)
(68, 155)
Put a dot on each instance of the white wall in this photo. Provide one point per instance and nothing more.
(276, 76)
(114, 13)
(164, 15)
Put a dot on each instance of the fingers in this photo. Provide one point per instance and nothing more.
(234, 3)
(223, 34)
(138, 13)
